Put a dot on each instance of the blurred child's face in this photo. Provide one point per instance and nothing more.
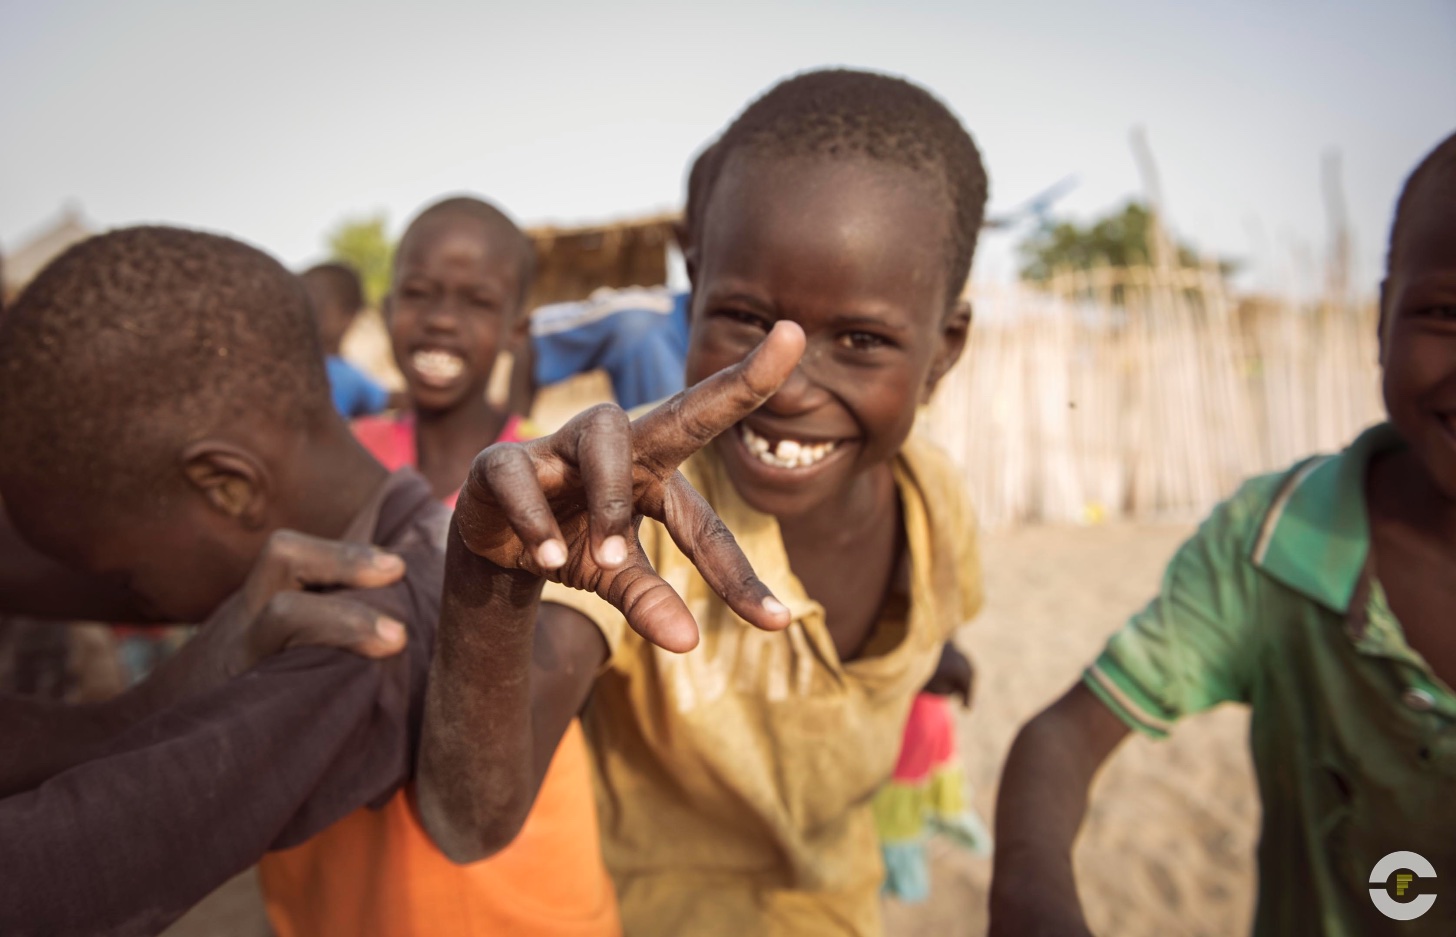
(175, 559)
(1418, 337)
(856, 254)
(332, 318)
(456, 291)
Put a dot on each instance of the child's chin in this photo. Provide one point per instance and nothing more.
(431, 398)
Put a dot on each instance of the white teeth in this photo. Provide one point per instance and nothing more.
(789, 453)
(435, 365)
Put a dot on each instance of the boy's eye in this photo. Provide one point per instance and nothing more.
(862, 341)
(746, 318)
(1444, 313)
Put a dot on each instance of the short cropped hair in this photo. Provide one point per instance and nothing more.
(1438, 168)
(133, 343)
(855, 114)
(494, 219)
(340, 283)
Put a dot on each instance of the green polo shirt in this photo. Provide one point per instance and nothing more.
(1354, 737)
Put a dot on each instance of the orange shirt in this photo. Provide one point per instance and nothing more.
(376, 872)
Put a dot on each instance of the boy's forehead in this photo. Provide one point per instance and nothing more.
(1427, 239)
(801, 190)
(838, 206)
(433, 232)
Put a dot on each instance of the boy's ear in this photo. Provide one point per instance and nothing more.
(230, 479)
(686, 247)
(954, 332)
(1383, 321)
(520, 333)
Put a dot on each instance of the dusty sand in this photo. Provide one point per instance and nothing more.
(1169, 841)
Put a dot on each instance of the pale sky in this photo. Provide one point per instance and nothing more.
(271, 121)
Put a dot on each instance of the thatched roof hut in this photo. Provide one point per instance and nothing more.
(573, 262)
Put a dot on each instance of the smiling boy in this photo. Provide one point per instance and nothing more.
(1323, 598)
(735, 779)
(462, 272)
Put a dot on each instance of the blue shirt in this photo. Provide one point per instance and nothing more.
(355, 393)
(638, 336)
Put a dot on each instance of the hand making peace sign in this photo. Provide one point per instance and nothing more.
(566, 506)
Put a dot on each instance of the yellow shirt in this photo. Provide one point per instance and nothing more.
(734, 782)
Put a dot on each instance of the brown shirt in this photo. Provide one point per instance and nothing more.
(186, 799)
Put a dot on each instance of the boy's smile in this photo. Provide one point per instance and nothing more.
(456, 290)
(856, 253)
(1418, 339)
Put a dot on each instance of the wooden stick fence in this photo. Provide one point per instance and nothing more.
(1070, 407)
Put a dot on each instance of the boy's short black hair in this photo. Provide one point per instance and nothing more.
(844, 113)
(494, 219)
(132, 343)
(340, 282)
(1439, 165)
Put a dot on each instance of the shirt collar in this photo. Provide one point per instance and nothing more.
(1315, 536)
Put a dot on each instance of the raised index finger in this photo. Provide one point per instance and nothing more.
(667, 435)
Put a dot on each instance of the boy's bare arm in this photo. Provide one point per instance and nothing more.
(567, 506)
(271, 613)
(1042, 800)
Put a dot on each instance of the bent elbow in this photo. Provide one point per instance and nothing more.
(465, 836)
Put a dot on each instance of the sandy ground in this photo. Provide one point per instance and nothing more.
(1168, 845)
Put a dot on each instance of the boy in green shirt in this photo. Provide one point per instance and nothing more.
(1324, 597)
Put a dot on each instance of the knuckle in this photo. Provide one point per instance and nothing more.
(605, 416)
(501, 457)
(615, 506)
(696, 426)
(283, 545)
(282, 607)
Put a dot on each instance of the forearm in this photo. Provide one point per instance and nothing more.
(475, 780)
(1040, 807)
(127, 842)
(40, 738)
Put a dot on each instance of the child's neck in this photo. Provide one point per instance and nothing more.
(846, 553)
(1413, 549)
(335, 481)
(1401, 491)
(447, 441)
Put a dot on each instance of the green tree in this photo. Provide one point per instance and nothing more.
(363, 244)
(1119, 239)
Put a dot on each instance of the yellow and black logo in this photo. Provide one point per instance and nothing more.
(1395, 875)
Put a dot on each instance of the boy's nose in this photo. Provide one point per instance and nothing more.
(442, 317)
(801, 393)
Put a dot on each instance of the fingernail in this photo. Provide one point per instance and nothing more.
(387, 562)
(614, 551)
(774, 607)
(552, 554)
(390, 630)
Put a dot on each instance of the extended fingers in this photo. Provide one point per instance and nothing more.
(670, 433)
(604, 460)
(507, 472)
(298, 619)
(712, 548)
(652, 607)
(292, 560)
